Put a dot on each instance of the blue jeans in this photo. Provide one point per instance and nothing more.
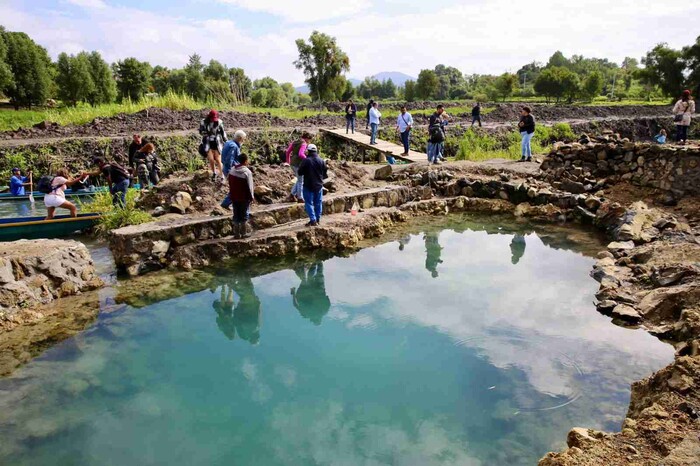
(241, 212)
(435, 151)
(350, 124)
(118, 192)
(526, 150)
(226, 203)
(373, 137)
(313, 203)
(298, 188)
(406, 140)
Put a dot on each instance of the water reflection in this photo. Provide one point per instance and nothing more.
(241, 318)
(433, 251)
(517, 248)
(310, 297)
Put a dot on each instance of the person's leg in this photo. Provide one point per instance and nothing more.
(684, 132)
(235, 220)
(479, 119)
(212, 163)
(529, 146)
(347, 125)
(352, 124)
(404, 141)
(219, 165)
(71, 208)
(679, 133)
(523, 142)
(245, 216)
(226, 203)
(373, 132)
(430, 151)
(50, 211)
(309, 206)
(473, 120)
(318, 204)
(119, 194)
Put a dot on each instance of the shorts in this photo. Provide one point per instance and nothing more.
(53, 200)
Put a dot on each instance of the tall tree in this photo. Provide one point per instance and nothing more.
(506, 84)
(133, 78)
(105, 87)
(592, 85)
(195, 85)
(30, 68)
(427, 84)
(6, 77)
(240, 84)
(160, 80)
(74, 80)
(663, 67)
(323, 63)
(215, 71)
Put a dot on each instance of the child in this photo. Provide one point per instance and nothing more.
(241, 191)
(661, 137)
(57, 196)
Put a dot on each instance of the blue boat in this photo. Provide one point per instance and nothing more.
(12, 229)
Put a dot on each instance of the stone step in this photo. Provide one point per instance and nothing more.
(140, 247)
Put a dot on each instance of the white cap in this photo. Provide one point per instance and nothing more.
(311, 148)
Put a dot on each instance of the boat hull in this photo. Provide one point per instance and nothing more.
(12, 229)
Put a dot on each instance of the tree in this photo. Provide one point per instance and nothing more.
(369, 88)
(691, 57)
(557, 60)
(506, 84)
(240, 84)
(74, 80)
(570, 84)
(259, 97)
(550, 84)
(663, 67)
(323, 63)
(195, 85)
(105, 88)
(133, 77)
(30, 68)
(215, 71)
(349, 91)
(592, 85)
(160, 80)
(427, 84)
(409, 90)
(6, 77)
(387, 90)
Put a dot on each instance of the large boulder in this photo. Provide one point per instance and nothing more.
(180, 202)
(383, 173)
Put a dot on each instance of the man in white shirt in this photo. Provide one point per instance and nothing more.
(404, 124)
(374, 116)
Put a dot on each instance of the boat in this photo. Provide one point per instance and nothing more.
(68, 193)
(12, 229)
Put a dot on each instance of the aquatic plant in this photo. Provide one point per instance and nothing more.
(114, 217)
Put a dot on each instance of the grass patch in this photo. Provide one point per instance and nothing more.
(114, 217)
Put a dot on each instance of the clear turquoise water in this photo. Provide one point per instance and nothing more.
(12, 209)
(445, 348)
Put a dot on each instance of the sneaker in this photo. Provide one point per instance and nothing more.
(521, 160)
(529, 159)
(312, 224)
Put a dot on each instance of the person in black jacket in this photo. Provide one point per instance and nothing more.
(369, 107)
(527, 130)
(350, 114)
(476, 114)
(314, 170)
(137, 143)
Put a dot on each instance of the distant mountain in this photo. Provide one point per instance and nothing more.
(397, 77)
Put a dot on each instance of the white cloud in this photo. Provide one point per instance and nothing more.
(88, 3)
(303, 10)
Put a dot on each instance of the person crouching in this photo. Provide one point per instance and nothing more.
(241, 192)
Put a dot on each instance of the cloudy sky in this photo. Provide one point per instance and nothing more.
(477, 36)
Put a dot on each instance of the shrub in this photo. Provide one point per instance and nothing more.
(114, 217)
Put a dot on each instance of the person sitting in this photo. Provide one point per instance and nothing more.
(661, 137)
(57, 197)
(18, 182)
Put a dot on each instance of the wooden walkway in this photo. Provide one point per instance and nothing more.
(385, 147)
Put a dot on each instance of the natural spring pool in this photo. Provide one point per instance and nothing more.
(474, 342)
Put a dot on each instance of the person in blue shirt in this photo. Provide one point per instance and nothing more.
(18, 182)
(661, 137)
(229, 158)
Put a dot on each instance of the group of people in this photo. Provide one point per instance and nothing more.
(229, 164)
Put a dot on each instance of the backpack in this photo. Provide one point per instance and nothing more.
(436, 134)
(44, 184)
(120, 169)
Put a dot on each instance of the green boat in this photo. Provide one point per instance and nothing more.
(38, 195)
(12, 229)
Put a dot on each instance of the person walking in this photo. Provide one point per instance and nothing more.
(230, 158)
(436, 135)
(296, 153)
(242, 194)
(527, 130)
(476, 114)
(369, 107)
(374, 119)
(314, 170)
(350, 115)
(682, 112)
(213, 138)
(404, 123)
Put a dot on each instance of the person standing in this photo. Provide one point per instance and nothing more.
(682, 112)
(230, 158)
(147, 166)
(369, 107)
(436, 135)
(213, 138)
(296, 153)
(241, 193)
(350, 115)
(527, 130)
(314, 170)
(137, 143)
(476, 114)
(18, 182)
(404, 123)
(374, 119)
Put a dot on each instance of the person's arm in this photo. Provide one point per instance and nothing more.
(25, 181)
(223, 131)
(302, 151)
(410, 120)
(251, 184)
(202, 128)
(288, 153)
(691, 108)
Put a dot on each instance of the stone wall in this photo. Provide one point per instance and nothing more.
(670, 168)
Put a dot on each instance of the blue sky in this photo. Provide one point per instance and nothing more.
(476, 36)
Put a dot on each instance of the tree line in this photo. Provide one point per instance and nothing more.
(29, 77)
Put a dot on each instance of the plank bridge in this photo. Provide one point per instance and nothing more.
(384, 147)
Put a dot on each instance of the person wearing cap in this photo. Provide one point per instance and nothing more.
(682, 112)
(213, 138)
(314, 170)
(18, 182)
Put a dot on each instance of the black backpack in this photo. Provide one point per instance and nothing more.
(436, 134)
(44, 184)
